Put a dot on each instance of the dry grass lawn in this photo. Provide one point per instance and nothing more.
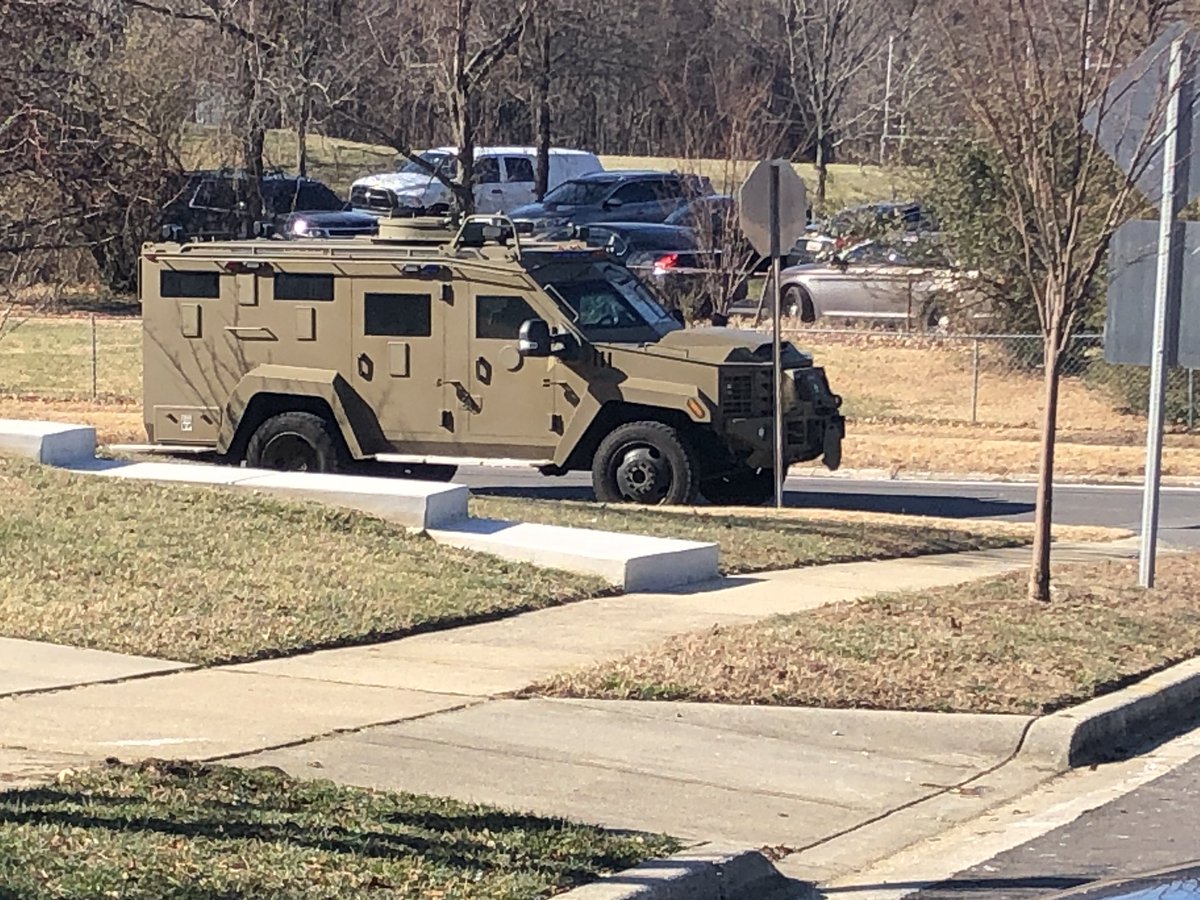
(206, 575)
(183, 830)
(979, 647)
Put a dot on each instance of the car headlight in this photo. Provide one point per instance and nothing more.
(299, 227)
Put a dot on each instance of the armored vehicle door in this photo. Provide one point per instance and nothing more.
(511, 398)
(397, 358)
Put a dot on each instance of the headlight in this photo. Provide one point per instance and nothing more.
(299, 227)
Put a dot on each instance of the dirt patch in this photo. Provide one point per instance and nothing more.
(980, 647)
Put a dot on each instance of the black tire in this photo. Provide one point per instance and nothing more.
(645, 462)
(743, 487)
(296, 442)
(796, 296)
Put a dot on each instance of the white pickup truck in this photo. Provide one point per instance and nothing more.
(504, 179)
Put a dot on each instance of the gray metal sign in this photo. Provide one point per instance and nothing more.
(1128, 119)
(754, 206)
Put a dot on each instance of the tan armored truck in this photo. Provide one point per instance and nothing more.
(430, 349)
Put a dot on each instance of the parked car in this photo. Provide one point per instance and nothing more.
(504, 178)
(616, 196)
(215, 205)
(672, 259)
(1176, 883)
(873, 280)
(709, 215)
(870, 221)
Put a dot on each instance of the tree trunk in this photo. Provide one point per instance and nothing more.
(302, 134)
(822, 167)
(1039, 575)
(464, 193)
(542, 184)
(254, 139)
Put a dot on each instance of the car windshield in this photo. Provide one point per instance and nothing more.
(443, 162)
(579, 193)
(606, 301)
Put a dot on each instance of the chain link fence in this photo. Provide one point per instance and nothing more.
(989, 380)
(88, 357)
(981, 380)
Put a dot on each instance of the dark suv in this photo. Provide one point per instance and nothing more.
(216, 205)
(628, 196)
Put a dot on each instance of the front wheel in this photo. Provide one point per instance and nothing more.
(743, 487)
(296, 442)
(644, 462)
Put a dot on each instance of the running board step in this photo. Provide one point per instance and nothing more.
(418, 459)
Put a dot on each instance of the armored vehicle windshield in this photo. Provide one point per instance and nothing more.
(605, 300)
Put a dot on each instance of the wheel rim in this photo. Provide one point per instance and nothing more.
(289, 452)
(642, 474)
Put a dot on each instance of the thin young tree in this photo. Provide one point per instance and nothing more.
(1030, 74)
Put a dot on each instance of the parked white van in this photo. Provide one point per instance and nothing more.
(504, 179)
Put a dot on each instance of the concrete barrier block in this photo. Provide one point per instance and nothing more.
(414, 504)
(634, 562)
(50, 443)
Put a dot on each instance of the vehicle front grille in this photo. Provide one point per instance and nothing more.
(350, 231)
(374, 199)
(746, 394)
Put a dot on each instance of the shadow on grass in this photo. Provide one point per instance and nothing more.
(436, 838)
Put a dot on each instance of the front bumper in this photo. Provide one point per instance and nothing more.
(805, 438)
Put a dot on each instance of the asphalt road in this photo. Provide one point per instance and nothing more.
(1156, 826)
(1118, 506)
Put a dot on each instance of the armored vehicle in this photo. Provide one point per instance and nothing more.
(431, 348)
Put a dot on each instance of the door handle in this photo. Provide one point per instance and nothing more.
(251, 332)
(497, 191)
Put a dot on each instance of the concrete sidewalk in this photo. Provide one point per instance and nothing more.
(426, 713)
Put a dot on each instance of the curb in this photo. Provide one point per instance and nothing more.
(1099, 730)
(712, 874)
(1024, 478)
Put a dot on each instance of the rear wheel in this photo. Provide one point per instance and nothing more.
(296, 442)
(742, 487)
(644, 462)
(797, 303)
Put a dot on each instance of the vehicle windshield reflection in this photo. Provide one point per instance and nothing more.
(607, 302)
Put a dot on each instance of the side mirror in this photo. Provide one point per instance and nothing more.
(534, 339)
(613, 203)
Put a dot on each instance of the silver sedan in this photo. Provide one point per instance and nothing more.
(872, 281)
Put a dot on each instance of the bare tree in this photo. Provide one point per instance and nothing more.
(1027, 72)
(829, 46)
(449, 53)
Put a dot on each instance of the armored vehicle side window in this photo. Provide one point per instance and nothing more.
(303, 287)
(397, 315)
(500, 318)
(205, 285)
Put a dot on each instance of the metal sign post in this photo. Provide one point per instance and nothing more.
(777, 332)
(773, 213)
(1167, 173)
(1166, 295)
